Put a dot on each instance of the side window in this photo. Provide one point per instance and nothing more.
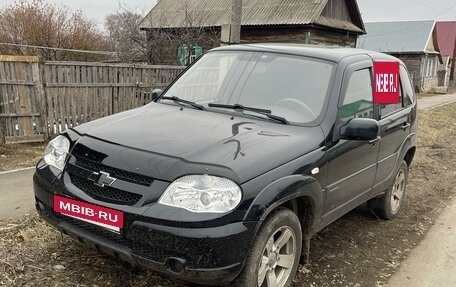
(386, 110)
(407, 89)
(358, 102)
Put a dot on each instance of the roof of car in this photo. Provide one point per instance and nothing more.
(333, 54)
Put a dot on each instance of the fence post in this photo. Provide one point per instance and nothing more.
(38, 79)
(2, 120)
(2, 129)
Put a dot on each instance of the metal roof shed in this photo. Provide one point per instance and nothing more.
(403, 37)
(414, 42)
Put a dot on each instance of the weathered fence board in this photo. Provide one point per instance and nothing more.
(42, 99)
(21, 100)
(81, 92)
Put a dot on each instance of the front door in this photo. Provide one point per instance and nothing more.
(352, 164)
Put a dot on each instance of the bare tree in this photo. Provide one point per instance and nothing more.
(163, 42)
(193, 33)
(37, 23)
(125, 36)
(158, 45)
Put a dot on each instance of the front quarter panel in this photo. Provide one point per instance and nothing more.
(290, 181)
(283, 190)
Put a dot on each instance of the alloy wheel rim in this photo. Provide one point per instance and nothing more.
(277, 259)
(397, 193)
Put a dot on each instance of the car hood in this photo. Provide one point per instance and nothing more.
(166, 142)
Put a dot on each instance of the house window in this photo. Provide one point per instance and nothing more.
(436, 67)
(185, 56)
(430, 67)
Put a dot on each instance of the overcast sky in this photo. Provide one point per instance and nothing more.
(372, 10)
(97, 10)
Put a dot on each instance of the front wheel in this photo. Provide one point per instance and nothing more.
(274, 257)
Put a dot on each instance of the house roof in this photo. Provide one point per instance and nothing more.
(214, 13)
(400, 37)
(446, 34)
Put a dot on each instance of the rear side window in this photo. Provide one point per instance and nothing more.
(358, 102)
(386, 110)
(406, 96)
(407, 88)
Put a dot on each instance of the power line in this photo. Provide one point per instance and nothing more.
(432, 5)
(446, 10)
(61, 49)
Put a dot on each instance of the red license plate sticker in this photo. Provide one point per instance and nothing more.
(105, 217)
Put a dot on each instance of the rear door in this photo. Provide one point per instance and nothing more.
(395, 127)
(352, 164)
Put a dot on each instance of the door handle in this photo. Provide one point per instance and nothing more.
(405, 126)
(375, 141)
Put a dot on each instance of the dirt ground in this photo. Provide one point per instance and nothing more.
(357, 250)
(20, 156)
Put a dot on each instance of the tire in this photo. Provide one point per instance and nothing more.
(388, 205)
(280, 225)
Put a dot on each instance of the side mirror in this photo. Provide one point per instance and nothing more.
(156, 94)
(360, 129)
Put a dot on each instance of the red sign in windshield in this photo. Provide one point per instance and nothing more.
(386, 83)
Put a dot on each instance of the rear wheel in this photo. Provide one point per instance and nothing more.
(388, 206)
(274, 256)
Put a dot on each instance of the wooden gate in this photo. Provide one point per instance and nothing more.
(21, 100)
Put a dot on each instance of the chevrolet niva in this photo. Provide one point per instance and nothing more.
(225, 177)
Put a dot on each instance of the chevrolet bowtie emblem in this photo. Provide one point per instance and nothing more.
(101, 179)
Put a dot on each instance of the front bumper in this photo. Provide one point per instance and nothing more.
(210, 256)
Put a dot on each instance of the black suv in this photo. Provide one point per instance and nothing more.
(226, 176)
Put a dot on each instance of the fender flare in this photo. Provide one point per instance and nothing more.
(284, 190)
(408, 143)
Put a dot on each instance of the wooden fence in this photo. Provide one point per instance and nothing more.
(21, 100)
(38, 100)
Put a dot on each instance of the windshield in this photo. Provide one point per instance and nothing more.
(291, 87)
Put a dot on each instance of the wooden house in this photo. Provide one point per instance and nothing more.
(319, 22)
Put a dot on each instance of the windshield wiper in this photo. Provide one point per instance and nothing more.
(241, 108)
(182, 101)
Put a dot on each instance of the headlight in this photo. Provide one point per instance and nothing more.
(56, 152)
(202, 194)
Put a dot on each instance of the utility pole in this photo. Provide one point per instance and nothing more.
(231, 33)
